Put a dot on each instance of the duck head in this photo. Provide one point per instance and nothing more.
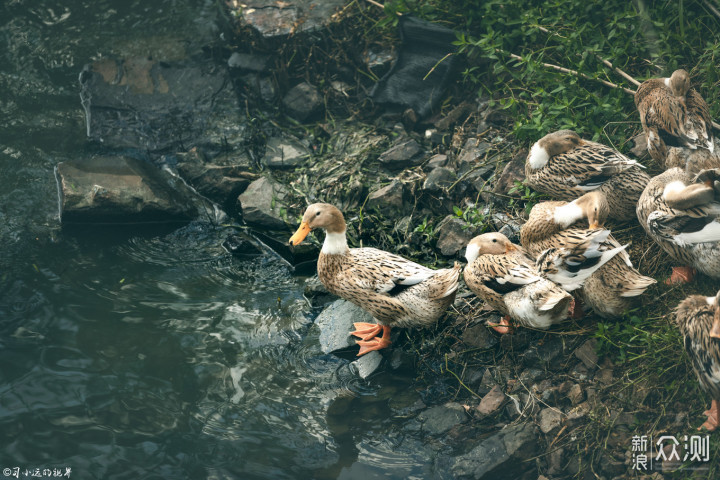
(319, 215)
(490, 244)
(552, 144)
(678, 83)
(595, 208)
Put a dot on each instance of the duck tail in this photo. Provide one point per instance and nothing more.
(445, 282)
(636, 284)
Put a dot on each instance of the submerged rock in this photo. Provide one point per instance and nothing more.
(263, 204)
(120, 189)
(154, 105)
(499, 456)
(438, 420)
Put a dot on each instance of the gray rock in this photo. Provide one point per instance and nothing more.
(302, 101)
(639, 145)
(367, 364)
(491, 402)
(221, 183)
(453, 235)
(262, 204)
(576, 394)
(507, 225)
(279, 19)
(550, 419)
(379, 61)
(390, 198)
(472, 152)
(439, 160)
(439, 179)
(248, 62)
(499, 456)
(284, 153)
(513, 172)
(478, 336)
(336, 323)
(487, 383)
(586, 354)
(438, 420)
(407, 153)
(117, 189)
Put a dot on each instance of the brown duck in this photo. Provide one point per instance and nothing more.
(396, 291)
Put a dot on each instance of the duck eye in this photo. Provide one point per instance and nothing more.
(317, 214)
(494, 240)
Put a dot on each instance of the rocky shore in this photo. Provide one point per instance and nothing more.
(245, 136)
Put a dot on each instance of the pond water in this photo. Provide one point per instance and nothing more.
(137, 352)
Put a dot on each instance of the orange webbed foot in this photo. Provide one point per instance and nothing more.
(576, 309)
(681, 275)
(366, 331)
(505, 326)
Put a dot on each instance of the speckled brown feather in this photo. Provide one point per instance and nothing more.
(694, 318)
(662, 223)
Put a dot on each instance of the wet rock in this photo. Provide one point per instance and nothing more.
(487, 383)
(314, 288)
(499, 456)
(155, 105)
(453, 235)
(438, 179)
(118, 189)
(262, 204)
(550, 420)
(471, 154)
(284, 153)
(576, 394)
(586, 354)
(407, 153)
(367, 364)
(390, 198)
(478, 336)
(513, 172)
(242, 245)
(336, 323)
(221, 180)
(302, 102)
(438, 420)
(439, 160)
(249, 62)
(492, 402)
(271, 18)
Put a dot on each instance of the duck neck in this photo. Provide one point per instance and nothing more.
(335, 244)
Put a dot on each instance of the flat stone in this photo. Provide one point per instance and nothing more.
(366, 365)
(220, 183)
(576, 394)
(438, 179)
(248, 62)
(271, 18)
(513, 172)
(586, 354)
(500, 455)
(284, 153)
(120, 189)
(388, 198)
(550, 419)
(639, 145)
(492, 402)
(262, 204)
(472, 152)
(453, 235)
(302, 102)
(438, 160)
(438, 420)
(336, 323)
(407, 153)
(478, 336)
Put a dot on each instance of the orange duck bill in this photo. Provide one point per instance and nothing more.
(300, 234)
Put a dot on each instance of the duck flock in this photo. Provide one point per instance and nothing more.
(567, 259)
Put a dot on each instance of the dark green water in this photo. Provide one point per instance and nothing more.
(138, 353)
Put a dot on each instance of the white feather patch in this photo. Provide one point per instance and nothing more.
(711, 144)
(673, 187)
(472, 252)
(710, 300)
(667, 82)
(710, 233)
(567, 214)
(538, 156)
(335, 244)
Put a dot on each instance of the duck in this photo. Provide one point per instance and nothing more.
(698, 319)
(534, 292)
(673, 115)
(394, 290)
(615, 287)
(681, 214)
(564, 166)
